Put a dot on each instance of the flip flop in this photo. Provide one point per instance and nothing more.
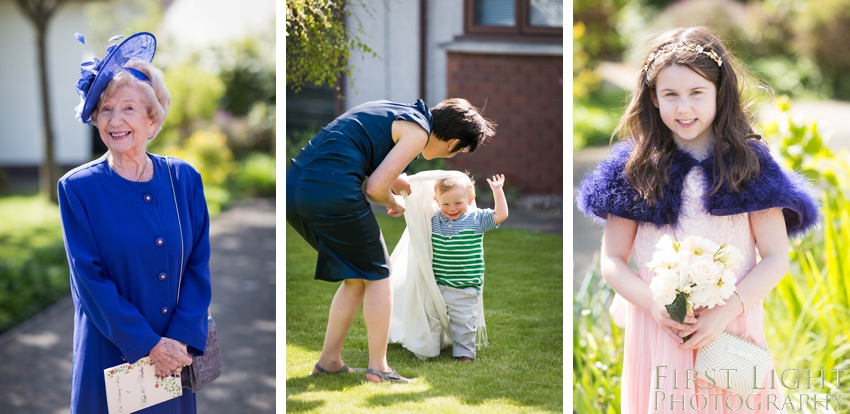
(390, 376)
(344, 370)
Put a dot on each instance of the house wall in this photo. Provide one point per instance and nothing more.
(524, 96)
(22, 134)
(391, 29)
(519, 85)
(445, 21)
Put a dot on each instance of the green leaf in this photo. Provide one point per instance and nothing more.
(679, 308)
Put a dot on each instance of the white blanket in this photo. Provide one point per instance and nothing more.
(420, 321)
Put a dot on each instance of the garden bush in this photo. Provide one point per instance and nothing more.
(207, 151)
(194, 100)
(767, 36)
(596, 116)
(33, 265)
(257, 176)
(822, 30)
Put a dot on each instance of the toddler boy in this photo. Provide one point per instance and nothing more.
(457, 235)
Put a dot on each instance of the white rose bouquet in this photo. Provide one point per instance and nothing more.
(693, 273)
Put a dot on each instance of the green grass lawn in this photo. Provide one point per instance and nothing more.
(521, 370)
(33, 266)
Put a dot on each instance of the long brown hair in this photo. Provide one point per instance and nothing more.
(648, 166)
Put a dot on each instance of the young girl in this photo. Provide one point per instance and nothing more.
(690, 164)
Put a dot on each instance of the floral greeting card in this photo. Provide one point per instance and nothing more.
(132, 387)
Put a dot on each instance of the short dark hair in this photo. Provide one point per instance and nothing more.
(457, 118)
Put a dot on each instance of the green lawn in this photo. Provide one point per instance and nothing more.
(521, 370)
(33, 266)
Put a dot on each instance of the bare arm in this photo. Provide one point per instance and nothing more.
(617, 241)
(411, 138)
(501, 211)
(772, 241)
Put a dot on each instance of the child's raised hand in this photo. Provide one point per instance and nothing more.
(498, 181)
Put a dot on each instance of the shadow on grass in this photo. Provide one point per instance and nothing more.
(299, 386)
(297, 406)
(521, 370)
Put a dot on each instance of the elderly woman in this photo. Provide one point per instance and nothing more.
(127, 228)
(325, 203)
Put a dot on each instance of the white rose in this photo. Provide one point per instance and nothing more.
(663, 258)
(698, 297)
(731, 256)
(726, 284)
(701, 246)
(686, 249)
(663, 286)
(707, 296)
(683, 276)
(665, 243)
(704, 271)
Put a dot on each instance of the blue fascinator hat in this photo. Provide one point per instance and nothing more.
(96, 74)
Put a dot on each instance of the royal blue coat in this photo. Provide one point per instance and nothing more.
(124, 252)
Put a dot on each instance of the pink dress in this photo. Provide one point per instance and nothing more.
(654, 368)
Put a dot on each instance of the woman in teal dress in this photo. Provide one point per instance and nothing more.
(326, 204)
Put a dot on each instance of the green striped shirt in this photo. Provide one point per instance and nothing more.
(458, 259)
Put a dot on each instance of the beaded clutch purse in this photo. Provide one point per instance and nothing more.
(735, 363)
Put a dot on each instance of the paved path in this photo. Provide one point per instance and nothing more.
(35, 357)
(587, 235)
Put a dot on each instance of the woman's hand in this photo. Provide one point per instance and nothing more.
(169, 357)
(401, 184)
(670, 326)
(399, 208)
(710, 324)
(411, 140)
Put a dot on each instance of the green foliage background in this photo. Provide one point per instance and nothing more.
(318, 45)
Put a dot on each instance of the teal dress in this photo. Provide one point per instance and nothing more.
(325, 203)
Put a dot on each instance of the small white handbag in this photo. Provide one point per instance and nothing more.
(735, 363)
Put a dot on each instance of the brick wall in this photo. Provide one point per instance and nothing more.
(524, 96)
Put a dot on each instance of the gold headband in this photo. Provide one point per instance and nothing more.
(671, 47)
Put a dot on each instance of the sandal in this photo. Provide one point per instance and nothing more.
(390, 376)
(344, 370)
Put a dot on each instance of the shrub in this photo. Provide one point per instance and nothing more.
(296, 140)
(727, 18)
(194, 98)
(599, 17)
(257, 176)
(597, 348)
(585, 79)
(822, 31)
(596, 117)
(760, 34)
(207, 151)
(33, 266)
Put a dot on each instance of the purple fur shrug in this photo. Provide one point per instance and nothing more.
(606, 191)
